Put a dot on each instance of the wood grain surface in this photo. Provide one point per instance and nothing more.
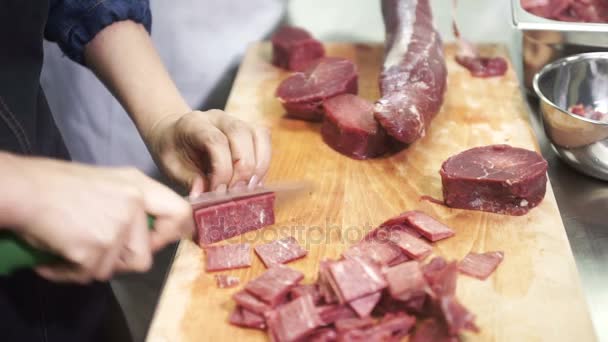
(535, 295)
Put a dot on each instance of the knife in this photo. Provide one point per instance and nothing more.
(16, 254)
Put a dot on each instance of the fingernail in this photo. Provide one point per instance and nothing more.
(221, 188)
(239, 184)
(253, 182)
(197, 187)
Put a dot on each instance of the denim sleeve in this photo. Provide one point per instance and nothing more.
(74, 23)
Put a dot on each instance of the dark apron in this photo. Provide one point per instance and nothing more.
(31, 308)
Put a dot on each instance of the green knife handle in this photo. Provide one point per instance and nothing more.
(15, 253)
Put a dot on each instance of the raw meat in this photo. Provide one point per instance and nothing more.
(334, 312)
(347, 324)
(432, 331)
(412, 246)
(588, 112)
(325, 289)
(399, 260)
(306, 289)
(413, 79)
(405, 281)
(226, 220)
(226, 281)
(274, 284)
(280, 251)
(496, 178)
(383, 253)
(354, 278)
(456, 316)
(244, 318)
(365, 305)
(441, 280)
(227, 257)
(349, 127)
(302, 94)
(293, 320)
(428, 226)
(322, 335)
(391, 327)
(294, 48)
(250, 302)
(483, 66)
(395, 223)
(591, 11)
(480, 265)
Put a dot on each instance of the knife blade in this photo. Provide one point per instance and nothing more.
(16, 254)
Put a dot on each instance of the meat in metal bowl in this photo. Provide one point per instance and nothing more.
(566, 87)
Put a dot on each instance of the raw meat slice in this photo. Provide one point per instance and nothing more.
(226, 220)
(365, 305)
(428, 226)
(303, 93)
(413, 79)
(405, 281)
(398, 324)
(294, 48)
(250, 302)
(306, 289)
(274, 284)
(432, 331)
(349, 127)
(226, 281)
(293, 320)
(481, 265)
(456, 316)
(347, 324)
(591, 11)
(442, 281)
(412, 246)
(496, 178)
(322, 335)
(334, 312)
(227, 257)
(484, 66)
(325, 289)
(399, 222)
(380, 252)
(280, 251)
(399, 260)
(244, 318)
(354, 278)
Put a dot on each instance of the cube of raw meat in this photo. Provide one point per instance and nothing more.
(280, 251)
(236, 217)
(294, 48)
(227, 257)
(274, 284)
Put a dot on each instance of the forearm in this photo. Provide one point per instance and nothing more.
(14, 201)
(124, 59)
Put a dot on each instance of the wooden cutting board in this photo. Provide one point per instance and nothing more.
(535, 295)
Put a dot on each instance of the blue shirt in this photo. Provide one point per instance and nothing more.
(74, 23)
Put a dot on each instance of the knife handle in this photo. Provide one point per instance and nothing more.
(15, 253)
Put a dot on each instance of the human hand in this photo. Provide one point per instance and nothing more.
(95, 218)
(210, 150)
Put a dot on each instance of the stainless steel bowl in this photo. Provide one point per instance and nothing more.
(545, 40)
(579, 79)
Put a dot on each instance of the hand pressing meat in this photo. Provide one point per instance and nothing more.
(413, 78)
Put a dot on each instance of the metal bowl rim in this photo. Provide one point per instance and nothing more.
(560, 62)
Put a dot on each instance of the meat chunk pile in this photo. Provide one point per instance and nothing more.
(225, 220)
(588, 112)
(377, 291)
(591, 11)
(496, 178)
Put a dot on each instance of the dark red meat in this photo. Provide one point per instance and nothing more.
(349, 127)
(280, 251)
(333, 312)
(226, 257)
(497, 178)
(294, 48)
(405, 281)
(365, 305)
(303, 93)
(414, 247)
(481, 265)
(226, 281)
(226, 220)
(428, 226)
(413, 79)
(354, 278)
(274, 284)
(293, 320)
(592, 11)
(247, 319)
(588, 112)
(484, 66)
(432, 330)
